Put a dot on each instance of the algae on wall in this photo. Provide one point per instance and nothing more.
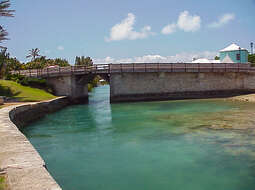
(2, 183)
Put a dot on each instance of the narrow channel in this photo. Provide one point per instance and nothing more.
(188, 145)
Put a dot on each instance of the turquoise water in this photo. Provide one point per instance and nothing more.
(172, 145)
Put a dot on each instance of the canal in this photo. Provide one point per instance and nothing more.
(187, 145)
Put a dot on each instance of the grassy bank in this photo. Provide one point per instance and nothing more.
(23, 93)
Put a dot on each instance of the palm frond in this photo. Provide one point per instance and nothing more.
(3, 34)
(4, 6)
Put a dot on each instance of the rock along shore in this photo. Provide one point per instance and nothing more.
(24, 167)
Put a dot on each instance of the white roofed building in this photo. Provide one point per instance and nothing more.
(233, 54)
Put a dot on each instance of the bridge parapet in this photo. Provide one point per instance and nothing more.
(136, 68)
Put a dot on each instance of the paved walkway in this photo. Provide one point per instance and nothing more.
(23, 165)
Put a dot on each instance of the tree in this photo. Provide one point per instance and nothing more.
(61, 62)
(13, 64)
(33, 53)
(4, 6)
(3, 35)
(3, 58)
(5, 12)
(251, 58)
(216, 58)
(82, 61)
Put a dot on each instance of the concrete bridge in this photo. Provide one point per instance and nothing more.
(151, 81)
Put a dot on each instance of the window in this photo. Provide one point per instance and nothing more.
(238, 56)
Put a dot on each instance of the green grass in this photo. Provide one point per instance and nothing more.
(23, 93)
(2, 183)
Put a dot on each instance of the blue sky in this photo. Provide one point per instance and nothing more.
(131, 30)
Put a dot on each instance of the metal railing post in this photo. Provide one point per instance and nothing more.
(145, 67)
(121, 68)
(133, 67)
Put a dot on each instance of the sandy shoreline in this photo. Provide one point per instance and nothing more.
(244, 98)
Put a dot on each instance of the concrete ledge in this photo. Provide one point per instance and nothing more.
(178, 96)
(23, 165)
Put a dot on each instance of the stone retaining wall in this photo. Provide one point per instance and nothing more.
(24, 167)
(168, 86)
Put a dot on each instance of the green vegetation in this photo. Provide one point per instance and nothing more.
(33, 53)
(3, 57)
(95, 82)
(23, 93)
(28, 81)
(2, 183)
(216, 58)
(43, 62)
(251, 58)
(82, 61)
(8, 63)
(4, 12)
(90, 87)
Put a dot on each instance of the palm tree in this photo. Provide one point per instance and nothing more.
(4, 6)
(3, 35)
(4, 11)
(33, 53)
(3, 57)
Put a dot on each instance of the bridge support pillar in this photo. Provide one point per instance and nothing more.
(73, 86)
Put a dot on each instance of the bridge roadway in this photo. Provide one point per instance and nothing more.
(137, 68)
(151, 81)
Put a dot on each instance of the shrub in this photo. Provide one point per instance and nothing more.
(28, 81)
(90, 87)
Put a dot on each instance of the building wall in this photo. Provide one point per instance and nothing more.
(161, 86)
(232, 55)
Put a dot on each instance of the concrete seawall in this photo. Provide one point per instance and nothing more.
(24, 167)
(171, 86)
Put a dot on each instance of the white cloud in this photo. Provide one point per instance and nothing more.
(60, 48)
(188, 23)
(125, 30)
(224, 19)
(185, 22)
(169, 29)
(181, 57)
